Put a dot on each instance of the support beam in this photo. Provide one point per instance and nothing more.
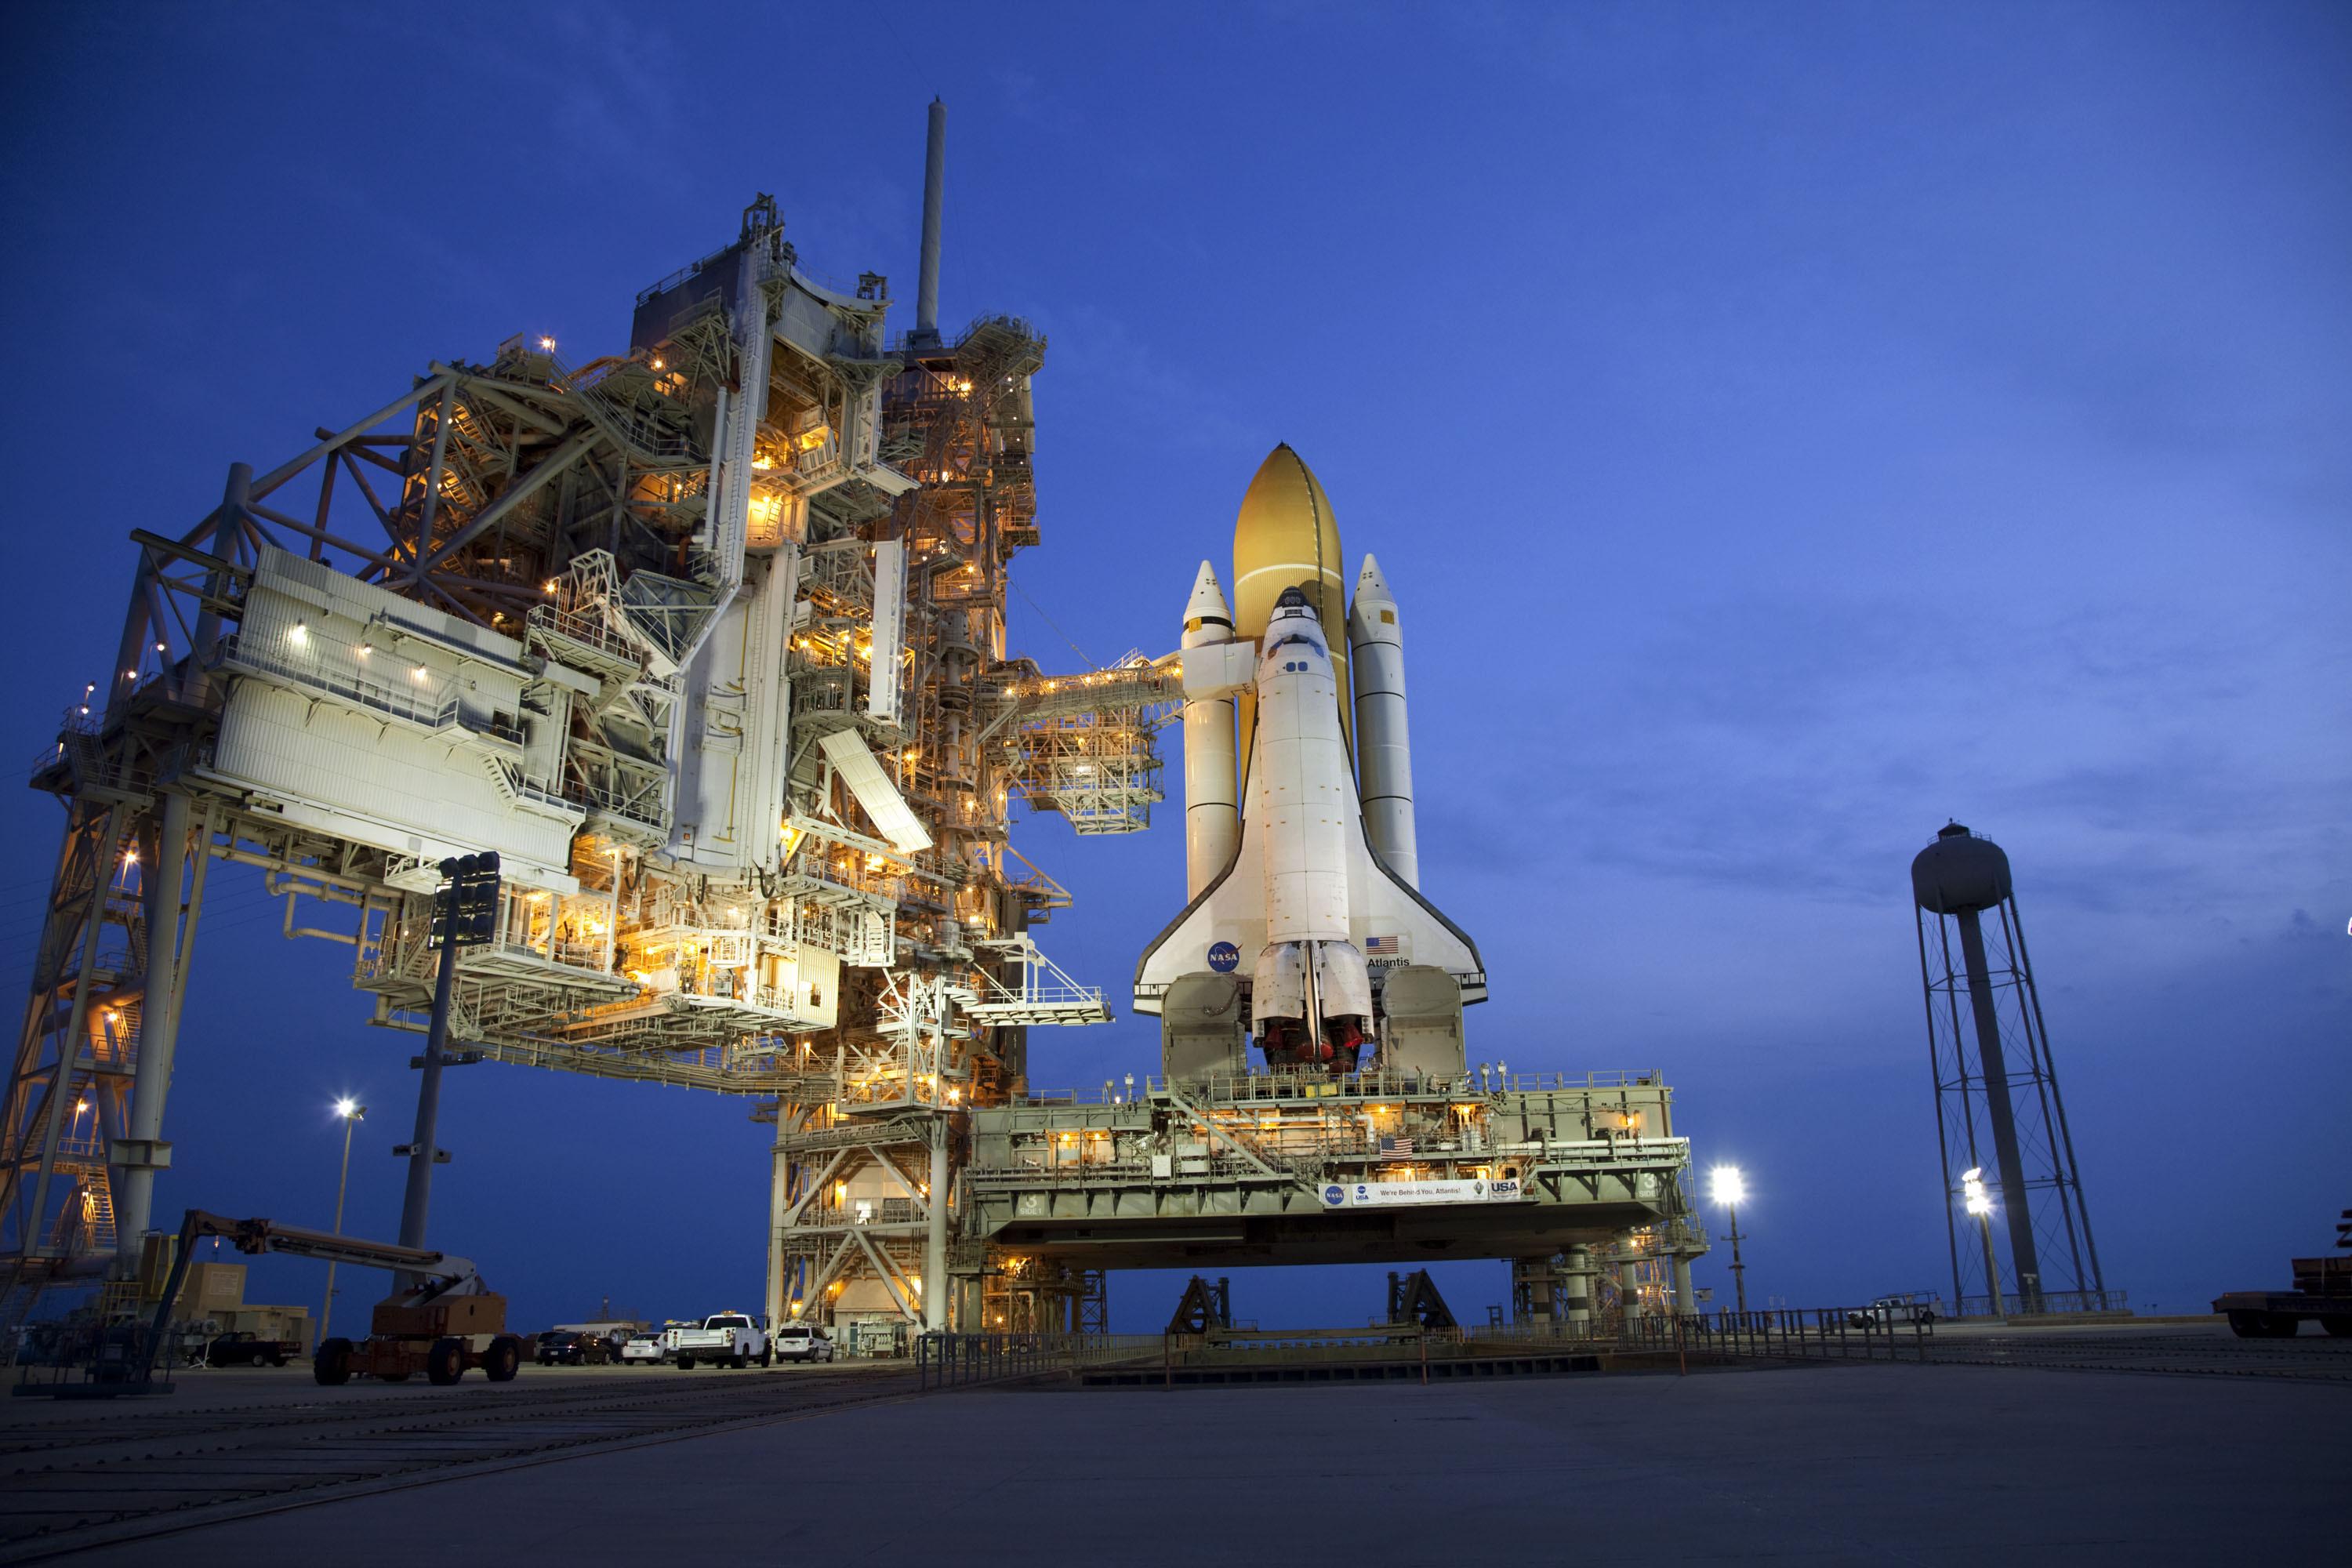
(780, 1175)
(284, 471)
(935, 1239)
(142, 1151)
(521, 490)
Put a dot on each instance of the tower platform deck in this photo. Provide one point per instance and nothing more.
(1253, 1168)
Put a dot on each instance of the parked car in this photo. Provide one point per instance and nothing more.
(1905, 1307)
(245, 1348)
(565, 1347)
(729, 1338)
(644, 1348)
(802, 1342)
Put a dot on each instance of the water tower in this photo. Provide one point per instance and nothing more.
(2009, 1160)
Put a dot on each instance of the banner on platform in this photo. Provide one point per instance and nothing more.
(1393, 1194)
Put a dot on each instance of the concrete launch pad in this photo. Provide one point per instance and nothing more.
(1877, 1464)
(1883, 1463)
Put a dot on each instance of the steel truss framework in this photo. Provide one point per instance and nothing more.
(597, 522)
(2069, 1275)
(763, 556)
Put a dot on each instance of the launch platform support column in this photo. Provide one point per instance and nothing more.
(142, 1151)
(970, 1294)
(1534, 1280)
(1629, 1290)
(935, 1238)
(1580, 1289)
(1685, 1298)
(935, 174)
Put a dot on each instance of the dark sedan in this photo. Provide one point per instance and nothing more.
(563, 1347)
(244, 1348)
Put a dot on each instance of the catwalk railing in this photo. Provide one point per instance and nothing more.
(1828, 1333)
(959, 1361)
(1787, 1333)
(2013, 1305)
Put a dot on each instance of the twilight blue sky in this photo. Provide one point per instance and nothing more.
(1783, 426)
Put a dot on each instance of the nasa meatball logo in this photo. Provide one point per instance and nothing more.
(1333, 1196)
(1224, 957)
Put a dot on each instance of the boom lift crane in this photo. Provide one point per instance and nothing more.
(440, 1319)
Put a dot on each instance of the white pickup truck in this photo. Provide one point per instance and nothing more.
(725, 1339)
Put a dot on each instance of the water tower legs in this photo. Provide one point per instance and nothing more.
(1999, 1111)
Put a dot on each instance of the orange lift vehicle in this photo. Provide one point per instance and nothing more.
(440, 1320)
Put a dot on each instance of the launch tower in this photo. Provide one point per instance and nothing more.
(706, 639)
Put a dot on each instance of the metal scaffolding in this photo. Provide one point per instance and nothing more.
(707, 639)
(707, 642)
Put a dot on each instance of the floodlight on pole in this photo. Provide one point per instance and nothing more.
(1979, 1203)
(1972, 1190)
(353, 1113)
(1726, 1187)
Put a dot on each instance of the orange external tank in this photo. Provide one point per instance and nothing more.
(1286, 537)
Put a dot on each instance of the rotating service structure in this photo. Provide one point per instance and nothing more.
(706, 640)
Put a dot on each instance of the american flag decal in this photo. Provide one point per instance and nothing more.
(1375, 945)
(1396, 1145)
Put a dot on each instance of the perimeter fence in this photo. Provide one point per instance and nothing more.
(959, 1361)
(1785, 1336)
(1787, 1333)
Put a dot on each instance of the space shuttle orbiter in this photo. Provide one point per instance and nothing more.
(1305, 923)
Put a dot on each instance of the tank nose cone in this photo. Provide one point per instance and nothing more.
(1286, 545)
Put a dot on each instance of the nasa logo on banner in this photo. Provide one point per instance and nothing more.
(1333, 1196)
(1224, 957)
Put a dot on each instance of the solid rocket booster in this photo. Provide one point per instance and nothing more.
(1211, 813)
(1383, 751)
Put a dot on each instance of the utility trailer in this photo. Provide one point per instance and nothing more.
(2323, 1291)
(440, 1319)
(245, 1348)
